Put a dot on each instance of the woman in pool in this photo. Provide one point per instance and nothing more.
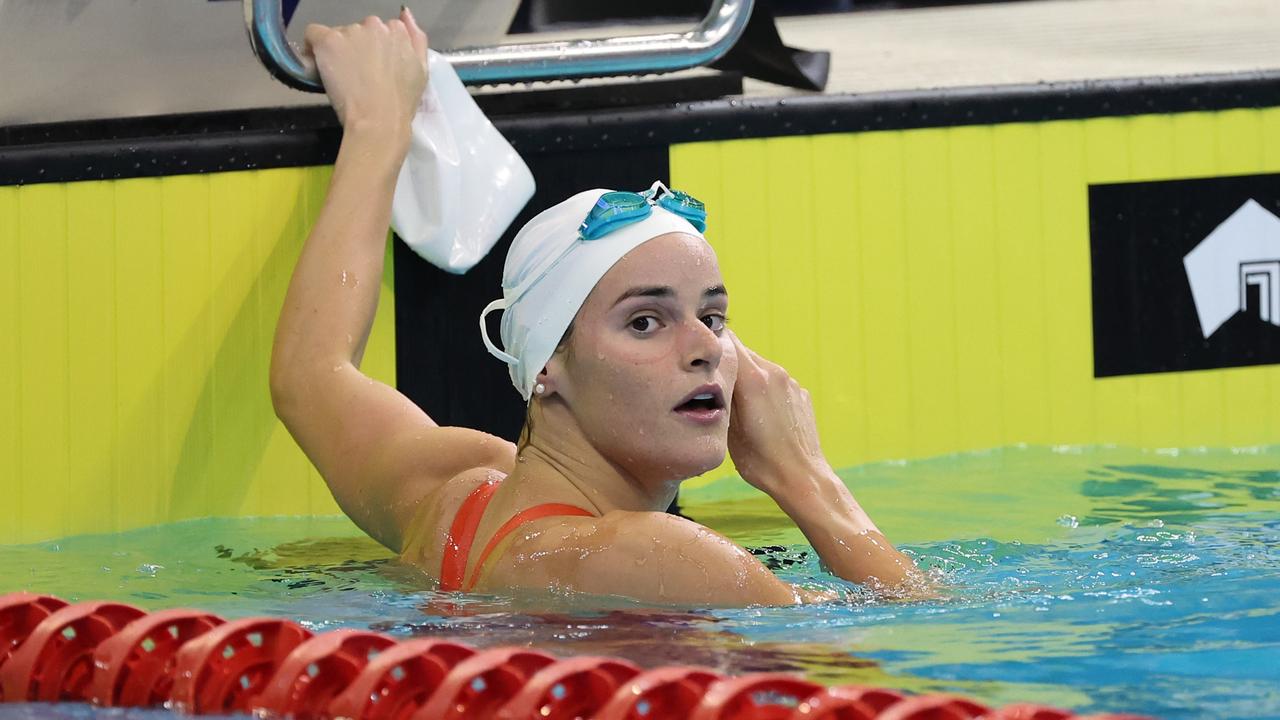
(614, 328)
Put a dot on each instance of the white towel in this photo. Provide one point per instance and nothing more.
(462, 183)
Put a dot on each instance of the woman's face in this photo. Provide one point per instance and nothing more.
(648, 340)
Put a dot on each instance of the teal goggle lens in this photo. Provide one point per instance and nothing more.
(617, 208)
(687, 207)
(611, 211)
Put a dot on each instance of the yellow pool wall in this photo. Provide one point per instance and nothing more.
(930, 287)
(137, 337)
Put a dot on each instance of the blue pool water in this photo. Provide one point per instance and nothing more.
(1087, 578)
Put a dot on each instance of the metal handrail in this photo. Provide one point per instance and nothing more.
(522, 62)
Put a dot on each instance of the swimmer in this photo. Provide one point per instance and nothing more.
(614, 330)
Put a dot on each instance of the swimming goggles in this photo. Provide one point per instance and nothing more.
(617, 209)
(620, 208)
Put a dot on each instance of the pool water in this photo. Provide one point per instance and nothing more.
(1087, 578)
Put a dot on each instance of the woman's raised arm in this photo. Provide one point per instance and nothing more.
(773, 439)
(378, 452)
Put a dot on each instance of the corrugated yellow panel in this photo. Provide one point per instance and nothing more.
(998, 347)
(1202, 413)
(931, 287)
(930, 293)
(240, 355)
(744, 249)
(140, 362)
(1238, 142)
(1106, 150)
(1159, 398)
(1019, 252)
(1068, 323)
(838, 313)
(10, 365)
(789, 228)
(188, 339)
(92, 355)
(138, 352)
(1151, 145)
(883, 300)
(979, 364)
(1269, 132)
(1193, 145)
(44, 473)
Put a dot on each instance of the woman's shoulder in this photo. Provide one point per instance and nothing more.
(647, 556)
(622, 553)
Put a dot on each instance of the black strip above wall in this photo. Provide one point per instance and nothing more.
(288, 137)
(736, 118)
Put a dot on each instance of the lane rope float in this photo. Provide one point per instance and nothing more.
(116, 655)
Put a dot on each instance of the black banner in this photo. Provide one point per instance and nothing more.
(1186, 274)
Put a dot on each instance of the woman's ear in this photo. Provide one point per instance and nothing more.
(540, 385)
(552, 377)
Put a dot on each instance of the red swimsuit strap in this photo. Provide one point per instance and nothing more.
(462, 533)
(536, 512)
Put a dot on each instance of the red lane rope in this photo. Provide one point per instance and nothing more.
(113, 654)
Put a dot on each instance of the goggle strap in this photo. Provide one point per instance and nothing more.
(499, 304)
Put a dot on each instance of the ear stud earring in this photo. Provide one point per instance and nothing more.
(539, 389)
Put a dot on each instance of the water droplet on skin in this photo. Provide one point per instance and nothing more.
(344, 277)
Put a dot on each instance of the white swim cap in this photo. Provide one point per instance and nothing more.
(549, 273)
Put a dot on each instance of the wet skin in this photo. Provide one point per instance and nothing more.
(611, 434)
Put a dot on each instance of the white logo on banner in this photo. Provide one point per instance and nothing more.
(1240, 254)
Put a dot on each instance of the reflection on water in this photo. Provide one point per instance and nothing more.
(1084, 578)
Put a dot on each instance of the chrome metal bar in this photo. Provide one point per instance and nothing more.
(521, 62)
(264, 19)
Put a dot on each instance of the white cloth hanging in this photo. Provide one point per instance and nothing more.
(462, 183)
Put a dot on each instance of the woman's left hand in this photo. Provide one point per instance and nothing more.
(374, 72)
(773, 435)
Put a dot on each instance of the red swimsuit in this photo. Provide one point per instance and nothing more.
(457, 544)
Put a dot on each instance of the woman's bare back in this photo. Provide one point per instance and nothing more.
(427, 532)
(649, 556)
